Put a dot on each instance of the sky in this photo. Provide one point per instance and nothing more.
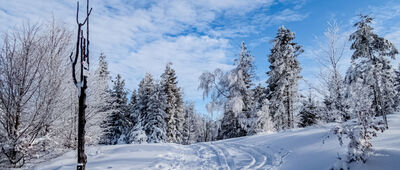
(202, 35)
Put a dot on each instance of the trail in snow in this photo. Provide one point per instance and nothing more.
(293, 149)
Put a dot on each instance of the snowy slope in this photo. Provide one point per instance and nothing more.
(296, 149)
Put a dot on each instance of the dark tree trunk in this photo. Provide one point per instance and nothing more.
(82, 159)
(82, 51)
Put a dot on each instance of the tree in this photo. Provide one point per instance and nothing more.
(397, 86)
(261, 119)
(98, 96)
(136, 134)
(151, 125)
(82, 52)
(232, 91)
(189, 134)
(174, 105)
(370, 89)
(365, 126)
(115, 124)
(145, 91)
(132, 115)
(283, 78)
(309, 112)
(332, 50)
(32, 60)
(237, 109)
(154, 119)
(372, 66)
(132, 106)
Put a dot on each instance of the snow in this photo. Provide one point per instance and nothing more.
(302, 148)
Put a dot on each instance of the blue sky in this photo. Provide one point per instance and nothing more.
(197, 36)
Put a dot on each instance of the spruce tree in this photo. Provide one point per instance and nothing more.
(397, 87)
(370, 90)
(155, 125)
(132, 116)
(98, 96)
(371, 64)
(237, 109)
(115, 124)
(283, 78)
(136, 133)
(174, 105)
(132, 106)
(150, 110)
(309, 112)
(260, 119)
(189, 135)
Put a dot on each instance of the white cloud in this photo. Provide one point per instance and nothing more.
(142, 36)
(191, 56)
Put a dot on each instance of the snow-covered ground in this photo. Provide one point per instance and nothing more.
(295, 149)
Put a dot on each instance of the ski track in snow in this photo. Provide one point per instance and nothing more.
(223, 153)
(232, 155)
(217, 155)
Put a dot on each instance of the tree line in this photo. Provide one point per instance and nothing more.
(155, 113)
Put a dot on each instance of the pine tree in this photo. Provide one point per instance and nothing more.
(132, 106)
(150, 109)
(115, 124)
(370, 89)
(370, 56)
(397, 87)
(308, 113)
(155, 125)
(189, 135)
(139, 112)
(237, 109)
(283, 78)
(132, 119)
(97, 98)
(174, 105)
(261, 119)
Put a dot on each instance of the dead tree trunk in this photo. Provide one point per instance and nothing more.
(82, 52)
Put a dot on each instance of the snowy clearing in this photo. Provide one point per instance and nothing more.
(293, 149)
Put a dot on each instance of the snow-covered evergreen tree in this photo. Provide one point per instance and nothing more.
(137, 135)
(363, 128)
(283, 78)
(260, 120)
(97, 99)
(155, 125)
(371, 64)
(309, 112)
(115, 123)
(189, 135)
(151, 112)
(174, 105)
(232, 92)
(397, 87)
(237, 109)
(132, 107)
(370, 89)
(134, 126)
